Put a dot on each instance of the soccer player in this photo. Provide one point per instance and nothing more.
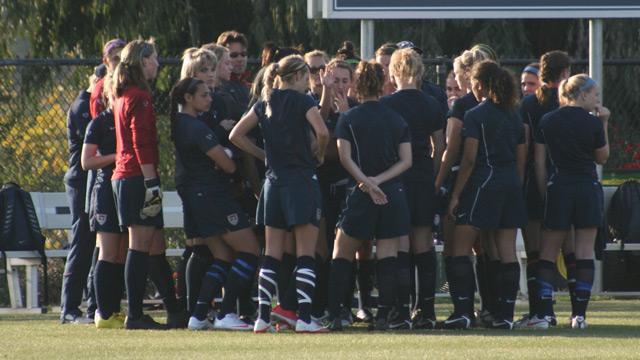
(530, 79)
(452, 89)
(135, 179)
(238, 83)
(383, 57)
(295, 138)
(487, 195)
(111, 58)
(575, 138)
(375, 148)
(317, 61)
(426, 121)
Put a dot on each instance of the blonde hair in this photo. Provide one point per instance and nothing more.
(217, 50)
(316, 53)
(193, 59)
(406, 64)
(129, 71)
(285, 71)
(463, 64)
(573, 87)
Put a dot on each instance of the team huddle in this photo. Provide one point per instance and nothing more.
(322, 176)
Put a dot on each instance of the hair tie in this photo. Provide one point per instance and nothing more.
(531, 70)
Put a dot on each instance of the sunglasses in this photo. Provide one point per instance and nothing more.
(315, 70)
(234, 55)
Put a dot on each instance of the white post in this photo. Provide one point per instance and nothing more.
(596, 50)
(366, 39)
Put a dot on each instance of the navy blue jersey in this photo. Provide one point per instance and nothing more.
(212, 118)
(375, 132)
(459, 108)
(424, 117)
(78, 119)
(437, 93)
(102, 132)
(499, 132)
(236, 98)
(531, 111)
(193, 138)
(571, 136)
(286, 131)
(331, 170)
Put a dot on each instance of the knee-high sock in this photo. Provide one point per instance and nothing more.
(426, 265)
(197, 265)
(338, 283)
(532, 286)
(239, 279)
(387, 270)
(462, 285)
(162, 277)
(305, 285)
(321, 293)
(181, 280)
(570, 263)
(347, 301)
(267, 286)
(403, 285)
(484, 287)
(105, 276)
(365, 283)
(585, 270)
(92, 303)
(287, 283)
(494, 274)
(213, 281)
(546, 274)
(119, 287)
(510, 278)
(136, 280)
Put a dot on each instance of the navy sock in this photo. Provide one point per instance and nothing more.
(267, 286)
(365, 283)
(181, 279)
(386, 270)
(104, 278)
(532, 289)
(214, 280)
(494, 274)
(570, 264)
(287, 283)
(546, 273)
(119, 287)
(321, 293)
(305, 285)
(482, 270)
(136, 280)
(509, 280)
(239, 280)
(461, 285)
(338, 283)
(347, 301)
(197, 265)
(92, 303)
(426, 265)
(403, 285)
(585, 272)
(162, 277)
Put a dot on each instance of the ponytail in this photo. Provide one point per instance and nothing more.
(369, 79)
(185, 86)
(552, 65)
(129, 71)
(499, 83)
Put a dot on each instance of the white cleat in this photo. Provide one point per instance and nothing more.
(231, 321)
(195, 324)
(261, 327)
(578, 322)
(311, 327)
(537, 323)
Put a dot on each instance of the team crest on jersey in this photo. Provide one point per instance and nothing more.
(101, 218)
(209, 137)
(233, 219)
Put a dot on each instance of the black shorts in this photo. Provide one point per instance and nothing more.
(285, 203)
(129, 195)
(580, 204)
(421, 200)
(491, 209)
(209, 212)
(364, 220)
(103, 216)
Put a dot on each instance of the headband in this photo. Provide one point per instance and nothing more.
(292, 71)
(531, 70)
(112, 44)
(587, 85)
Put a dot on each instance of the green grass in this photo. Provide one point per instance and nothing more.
(613, 333)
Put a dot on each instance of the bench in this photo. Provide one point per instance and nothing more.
(53, 213)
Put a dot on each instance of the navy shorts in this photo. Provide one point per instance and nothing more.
(129, 195)
(290, 200)
(491, 209)
(210, 212)
(421, 200)
(103, 216)
(580, 204)
(364, 220)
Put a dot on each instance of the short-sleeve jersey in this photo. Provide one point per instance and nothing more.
(531, 111)
(101, 132)
(458, 110)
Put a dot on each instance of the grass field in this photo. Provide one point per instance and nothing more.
(613, 333)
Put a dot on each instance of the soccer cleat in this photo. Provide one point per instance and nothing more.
(522, 322)
(502, 324)
(76, 319)
(538, 323)
(578, 322)
(485, 317)
(399, 324)
(231, 321)
(457, 322)
(280, 314)
(178, 320)
(311, 327)
(379, 325)
(364, 315)
(346, 316)
(197, 325)
(335, 324)
(283, 326)
(261, 327)
(146, 322)
(113, 322)
(421, 321)
(323, 319)
(552, 320)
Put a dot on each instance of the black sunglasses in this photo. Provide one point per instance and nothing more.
(315, 70)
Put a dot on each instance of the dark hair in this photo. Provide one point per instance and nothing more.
(386, 49)
(347, 51)
(232, 36)
(268, 50)
(552, 65)
(185, 86)
(369, 79)
(129, 71)
(499, 82)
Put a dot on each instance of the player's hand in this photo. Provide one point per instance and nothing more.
(326, 78)
(341, 102)
(602, 113)
(453, 207)
(152, 198)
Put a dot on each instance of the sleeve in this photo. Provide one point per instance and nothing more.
(404, 136)
(599, 139)
(307, 103)
(93, 133)
(143, 129)
(470, 128)
(457, 110)
(204, 138)
(342, 130)
(258, 108)
(538, 135)
(439, 116)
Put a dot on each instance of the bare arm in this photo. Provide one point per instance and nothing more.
(467, 164)
(92, 160)
(602, 154)
(221, 159)
(437, 144)
(540, 163)
(364, 182)
(327, 81)
(239, 137)
(321, 131)
(454, 140)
